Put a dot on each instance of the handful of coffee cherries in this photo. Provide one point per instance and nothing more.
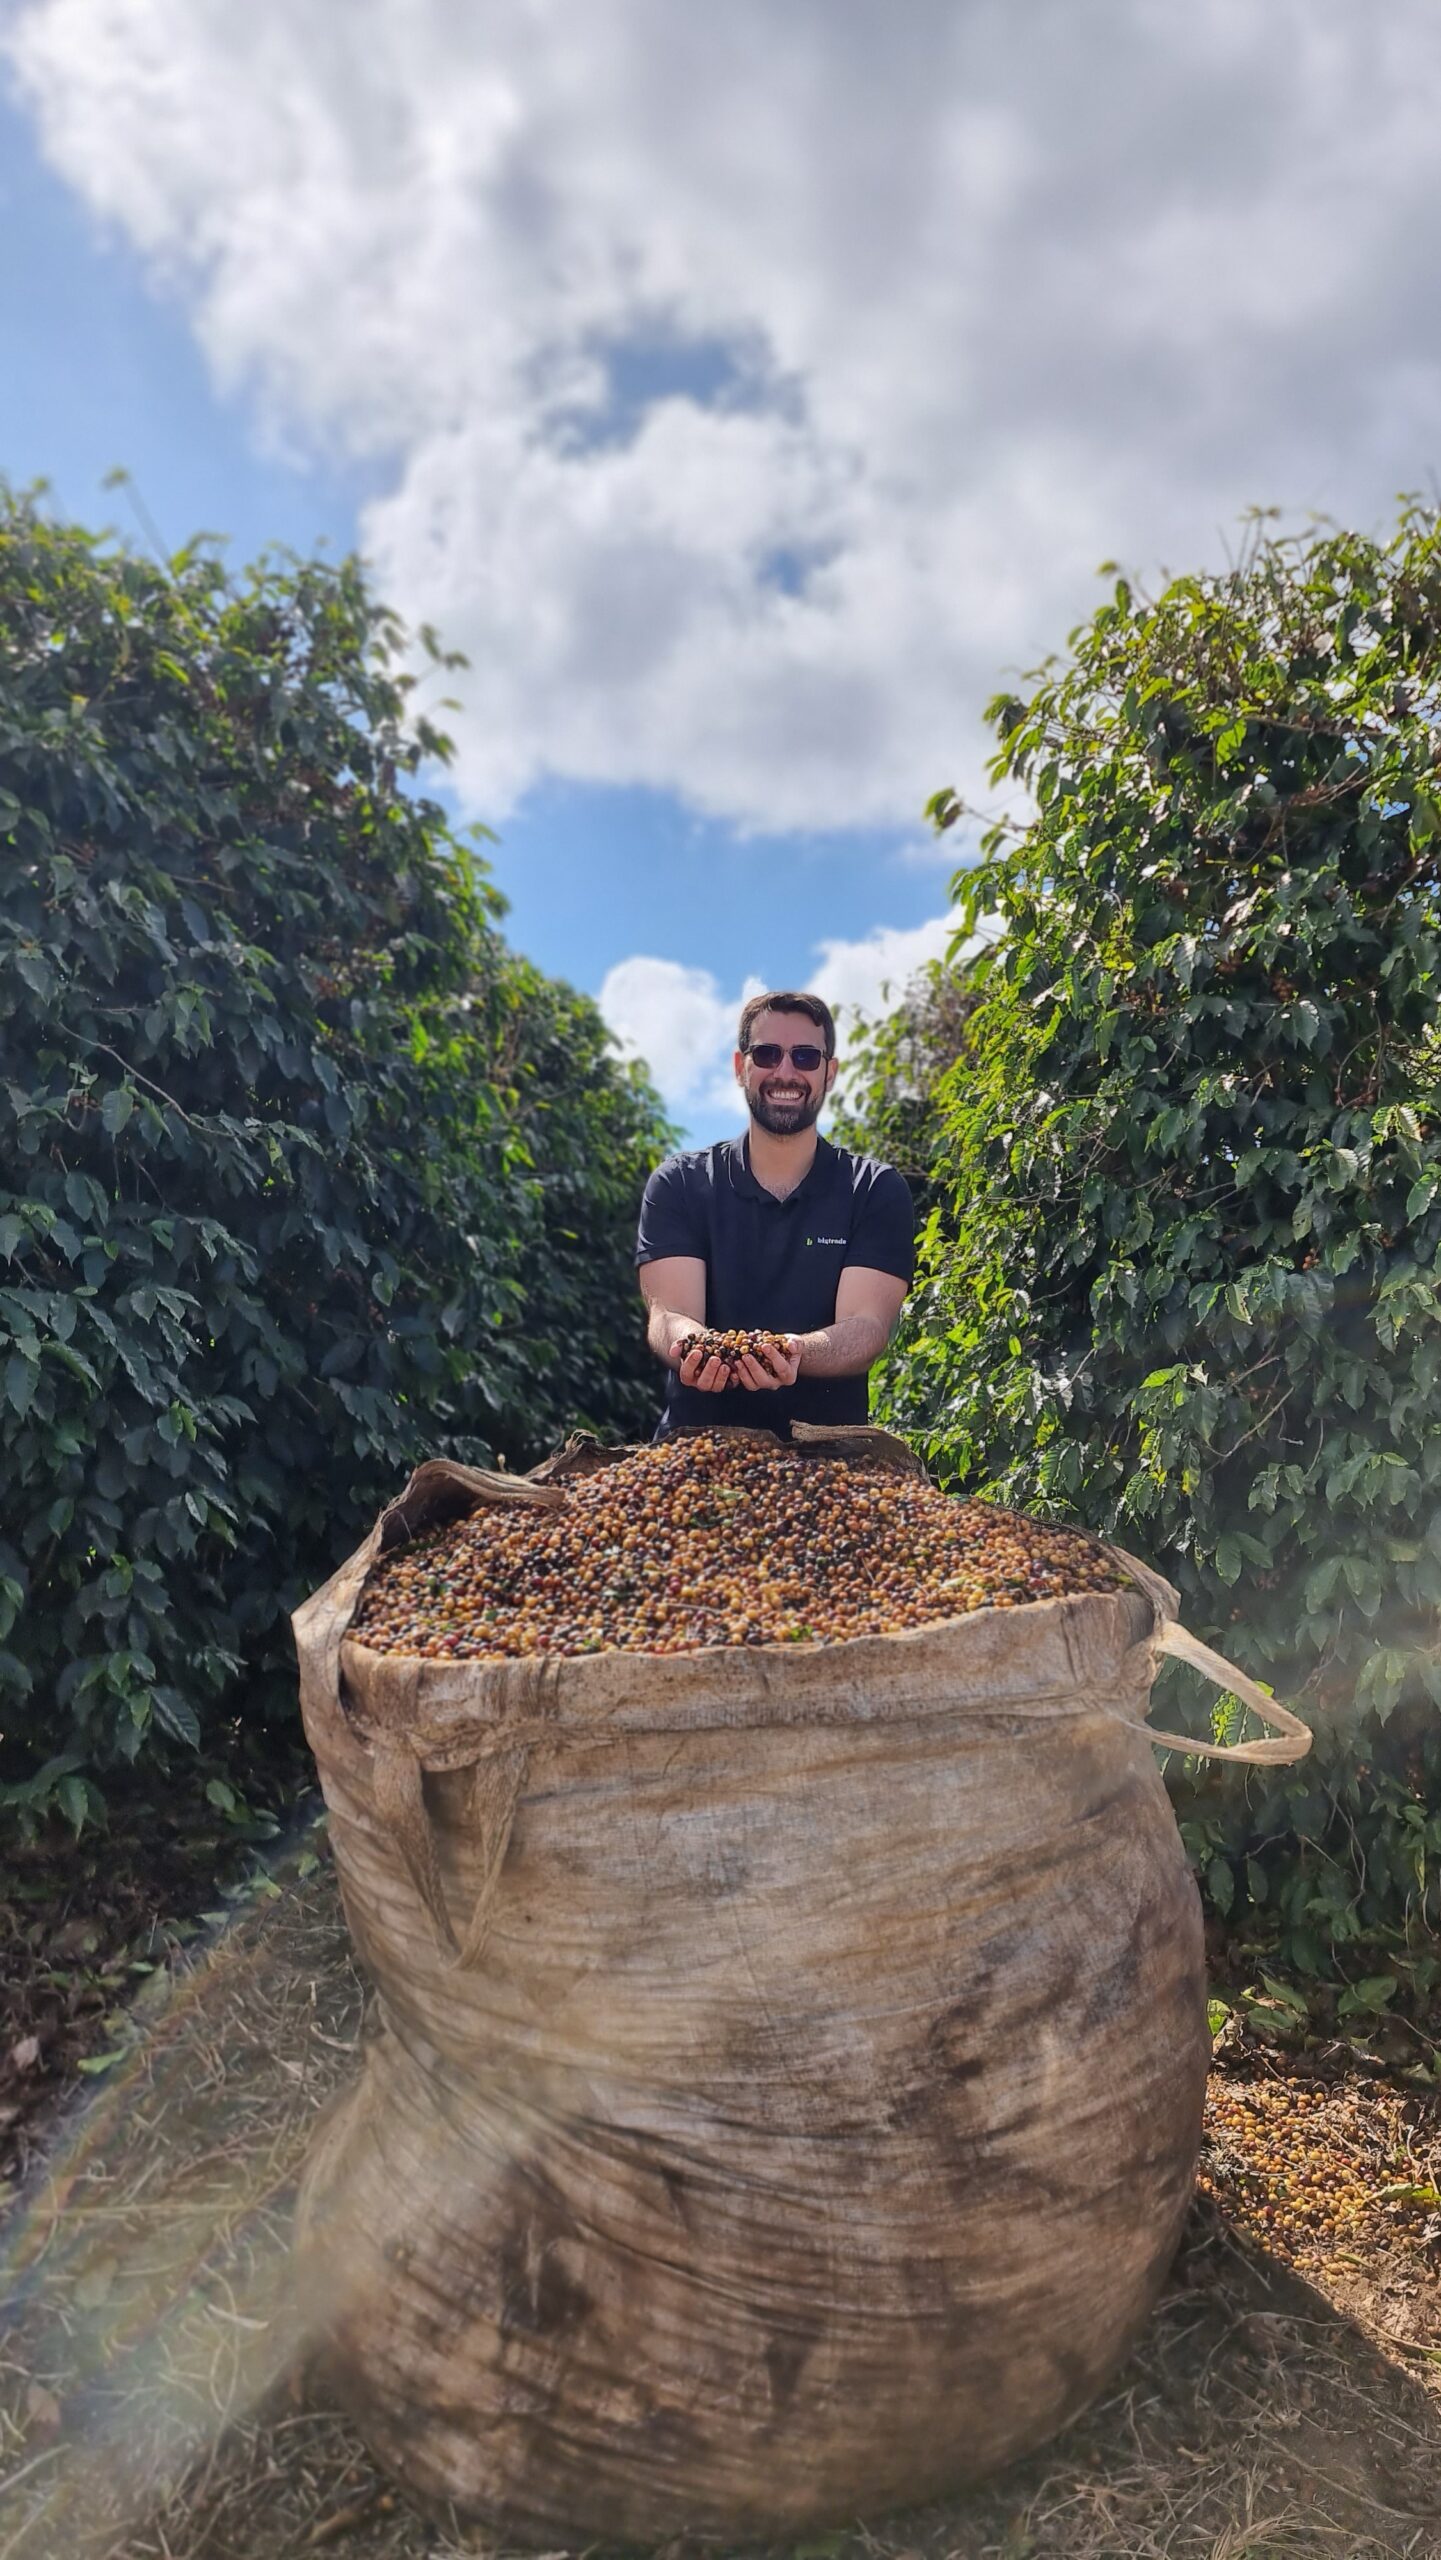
(732, 1348)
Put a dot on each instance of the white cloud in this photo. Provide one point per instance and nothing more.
(681, 1023)
(751, 390)
(677, 1020)
(869, 976)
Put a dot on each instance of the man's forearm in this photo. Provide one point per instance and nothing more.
(844, 1349)
(665, 1332)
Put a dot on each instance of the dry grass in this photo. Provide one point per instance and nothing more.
(146, 2410)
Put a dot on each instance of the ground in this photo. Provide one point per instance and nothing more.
(1284, 2404)
(86, 1921)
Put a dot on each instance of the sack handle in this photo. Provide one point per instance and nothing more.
(1290, 1740)
(398, 1783)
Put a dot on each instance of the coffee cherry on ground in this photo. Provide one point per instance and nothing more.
(1306, 2169)
(710, 1539)
(731, 1348)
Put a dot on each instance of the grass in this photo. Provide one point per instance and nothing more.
(1285, 2403)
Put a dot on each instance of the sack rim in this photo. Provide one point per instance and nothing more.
(451, 1712)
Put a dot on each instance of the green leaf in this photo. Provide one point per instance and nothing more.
(77, 1192)
(74, 1361)
(176, 1716)
(1221, 1885)
(1425, 821)
(1287, 1994)
(1368, 1998)
(73, 1798)
(1321, 1581)
(116, 1108)
(39, 977)
(22, 1376)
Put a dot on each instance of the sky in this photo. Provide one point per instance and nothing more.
(750, 393)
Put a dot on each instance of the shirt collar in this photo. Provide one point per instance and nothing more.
(744, 1181)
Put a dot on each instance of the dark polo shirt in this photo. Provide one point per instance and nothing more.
(775, 1263)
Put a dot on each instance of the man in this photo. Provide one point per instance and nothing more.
(776, 1231)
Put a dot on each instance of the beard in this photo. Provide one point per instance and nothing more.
(783, 1119)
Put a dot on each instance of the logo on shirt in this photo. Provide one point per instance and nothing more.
(825, 1239)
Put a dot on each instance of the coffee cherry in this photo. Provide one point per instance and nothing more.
(731, 1348)
(714, 1539)
(1304, 2168)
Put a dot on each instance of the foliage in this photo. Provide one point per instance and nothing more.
(588, 1131)
(893, 1066)
(299, 1164)
(1184, 1282)
(1323, 1894)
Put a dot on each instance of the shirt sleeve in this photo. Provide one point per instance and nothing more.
(669, 1219)
(883, 1229)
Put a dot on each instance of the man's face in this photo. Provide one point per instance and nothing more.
(784, 1098)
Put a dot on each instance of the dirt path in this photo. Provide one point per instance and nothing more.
(1284, 2405)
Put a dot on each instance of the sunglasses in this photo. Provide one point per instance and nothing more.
(805, 1055)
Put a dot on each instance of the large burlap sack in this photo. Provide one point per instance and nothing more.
(788, 2081)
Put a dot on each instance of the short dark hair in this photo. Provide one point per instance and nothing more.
(786, 1000)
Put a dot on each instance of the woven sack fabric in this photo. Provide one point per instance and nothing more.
(786, 2088)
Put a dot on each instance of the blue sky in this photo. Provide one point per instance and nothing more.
(596, 872)
(746, 431)
(102, 372)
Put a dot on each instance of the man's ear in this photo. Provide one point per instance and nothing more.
(738, 1062)
(831, 1071)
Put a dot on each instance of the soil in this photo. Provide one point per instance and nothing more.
(1285, 2403)
(85, 1922)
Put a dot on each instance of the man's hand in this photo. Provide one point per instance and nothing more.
(744, 1356)
(709, 1374)
(779, 1367)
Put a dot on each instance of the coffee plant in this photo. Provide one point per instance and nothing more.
(1184, 1272)
(303, 1173)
